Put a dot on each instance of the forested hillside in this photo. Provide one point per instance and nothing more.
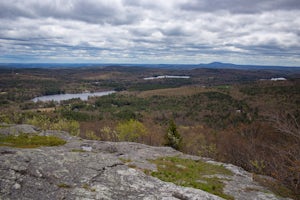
(235, 116)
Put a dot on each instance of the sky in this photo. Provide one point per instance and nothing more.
(264, 32)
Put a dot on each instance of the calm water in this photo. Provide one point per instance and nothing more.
(166, 76)
(62, 97)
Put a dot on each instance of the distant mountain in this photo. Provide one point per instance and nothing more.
(220, 65)
(213, 65)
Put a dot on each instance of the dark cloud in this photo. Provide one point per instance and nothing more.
(175, 31)
(12, 11)
(91, 11)
(240, 6)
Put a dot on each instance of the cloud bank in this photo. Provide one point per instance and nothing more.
(151, 31)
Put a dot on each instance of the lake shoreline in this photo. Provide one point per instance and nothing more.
(62, 97)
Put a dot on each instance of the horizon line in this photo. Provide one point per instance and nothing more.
(106, 63)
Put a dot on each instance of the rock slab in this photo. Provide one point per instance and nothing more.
(86, 169)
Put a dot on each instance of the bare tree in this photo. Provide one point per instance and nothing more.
(286, 122)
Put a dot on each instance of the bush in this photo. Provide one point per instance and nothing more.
(92, 136)
(70, 126)
(45, 123)
(108, 134)
(131, 130)
(126, 114)
(78, 116)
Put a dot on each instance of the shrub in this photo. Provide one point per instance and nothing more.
(131, 130)
(92, 136)
(70, 126)
(108, 134)
(45, 122)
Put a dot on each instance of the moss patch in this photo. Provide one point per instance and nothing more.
(30, 141)
(64, 185)
(190, 173)
(78, 150)
(124, 160)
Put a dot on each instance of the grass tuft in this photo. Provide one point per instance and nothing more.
(190, 173)
(30, 141)
(78, 150)
(124, 160)
(64, 185)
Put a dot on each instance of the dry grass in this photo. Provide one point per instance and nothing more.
(275, 186)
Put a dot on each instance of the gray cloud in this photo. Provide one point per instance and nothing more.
(13, 10)
(240, 6)
(186, 31)
(91, 11)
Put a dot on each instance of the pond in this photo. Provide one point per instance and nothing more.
(61, 97)
(166, 76)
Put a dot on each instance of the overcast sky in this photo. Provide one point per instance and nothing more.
(151, 31)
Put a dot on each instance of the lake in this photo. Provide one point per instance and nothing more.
(61, 97)
(166, 76)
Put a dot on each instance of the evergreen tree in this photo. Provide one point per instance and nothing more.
(173, 138)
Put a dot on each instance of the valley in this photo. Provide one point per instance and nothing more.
(235, 116)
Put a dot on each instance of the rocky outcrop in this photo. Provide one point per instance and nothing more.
(86, 169)
(17, 129)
